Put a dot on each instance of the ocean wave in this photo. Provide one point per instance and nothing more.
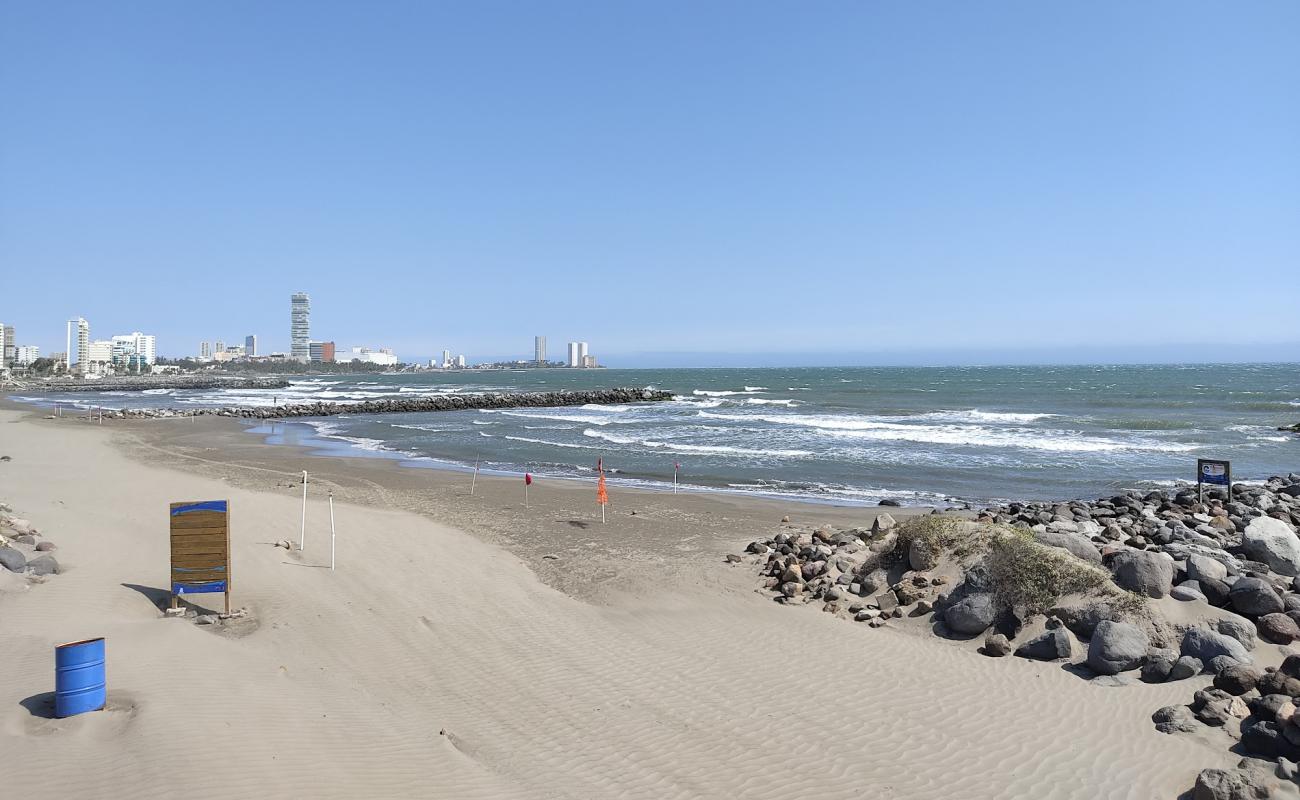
(756, 388)
(580, 419)
(975, 415)
(724, 393)
(677, 447)
(759, 401)
(570, 445)
(156, 391)
(969, 435)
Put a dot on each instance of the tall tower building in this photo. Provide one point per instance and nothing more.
(300, 326)
(10, 346)
(582, 354)
(539, 349)
(82, 354)
(250, 345)
(573, 355)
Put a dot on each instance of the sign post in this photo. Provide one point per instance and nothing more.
(200, 546)
(1215, 473)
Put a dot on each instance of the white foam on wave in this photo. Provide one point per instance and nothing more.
(759, 401)
(724, 393)
(756, 388)
(677, 447)
(157, 391)
(975, 415)
(569, 445)
(972, 435)
(581, 419)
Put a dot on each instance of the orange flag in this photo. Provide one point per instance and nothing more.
(602, 496)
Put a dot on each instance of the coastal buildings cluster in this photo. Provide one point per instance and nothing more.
(137, 352)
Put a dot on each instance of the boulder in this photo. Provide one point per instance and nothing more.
(1238, 628)
(1145, 572)
(12, 559)
(996, 645)
(44, 547)
(920, 557)
(1188, 591)
(1254, 597)
(1116, 647)
(1073, 543)
(1201, 567)
(972, 614)
(1237, 680)
(43, 565)
(1185, 667)
(1206, 644)
(1174, 719)
(1219, 663)
(1048, 646)
(1278, 628)
(1158, 665)
(883, 523)
(1273, 542)
(1222, 784)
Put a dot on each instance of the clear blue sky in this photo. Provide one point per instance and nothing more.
(670, 181)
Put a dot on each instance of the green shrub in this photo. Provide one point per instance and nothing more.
(1034, 576)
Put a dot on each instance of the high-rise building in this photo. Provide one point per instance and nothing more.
(10, 347)
(218, 347)
(582, 354)
(134, 347)
(205, 351)
(300, 326)
(539, 349)
(24, 356)
(446, 359)
(250, 345)
(78, 359)
(573, 355)
(460, 361)
(321, 352)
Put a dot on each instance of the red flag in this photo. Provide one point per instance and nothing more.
(602, 496)
(677, 465)
(528, 479)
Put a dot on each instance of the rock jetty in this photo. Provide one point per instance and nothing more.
(144, 382)
(397, 405)
(1074, 582)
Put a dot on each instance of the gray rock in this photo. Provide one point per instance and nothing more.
(1116, 647)
(1278, 628)
(1206, 644)
(1238, 628)
(43, 565)
(996, 645)
(12, 560)
(920, 557)
(1273, 542)
(1188, 591)
(1237, 680)
(1144, 572)
(1048, 646)
(1174, 719)
(1073, 543)
(1221, 784)
(1158, 665)
(1255, 597)
(1219, 663)
(1185, 667)
(972, 614)
(45, 547)
(883, 523)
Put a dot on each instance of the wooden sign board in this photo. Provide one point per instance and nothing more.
(200, 538)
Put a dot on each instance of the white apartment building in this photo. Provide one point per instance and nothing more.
(572, 360)
(134, 344)
(26, 355)
(383, 357)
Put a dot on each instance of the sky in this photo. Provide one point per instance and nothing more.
(676, 183)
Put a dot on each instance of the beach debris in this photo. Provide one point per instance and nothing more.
(6, 458)
(173, 612)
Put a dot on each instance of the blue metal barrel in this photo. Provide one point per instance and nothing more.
(79, 684)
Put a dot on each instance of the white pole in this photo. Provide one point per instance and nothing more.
(474, 479)
(302, 531)
(331, 531)
(674, 479)
(602, 513)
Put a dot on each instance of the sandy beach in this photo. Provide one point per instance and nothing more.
(469, 647)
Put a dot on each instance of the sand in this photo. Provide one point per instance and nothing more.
(448, 656)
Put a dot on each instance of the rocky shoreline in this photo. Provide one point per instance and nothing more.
(399, 405)
(1078, 583)
(145, 382)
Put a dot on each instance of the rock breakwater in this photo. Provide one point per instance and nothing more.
(403, 405)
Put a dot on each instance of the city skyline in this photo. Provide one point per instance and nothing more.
(863, 181)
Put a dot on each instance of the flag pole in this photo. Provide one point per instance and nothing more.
(302, 530)
(474, 479)
(332, 531)
(674, 477)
